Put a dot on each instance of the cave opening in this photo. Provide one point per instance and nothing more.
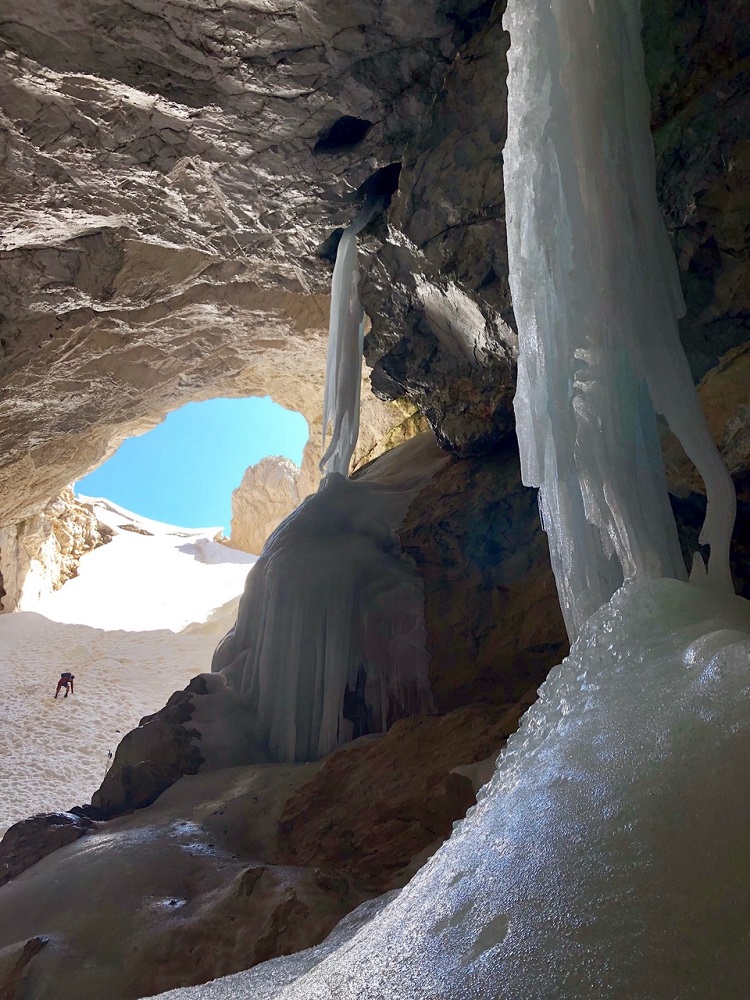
(345, 133)
(183, 471)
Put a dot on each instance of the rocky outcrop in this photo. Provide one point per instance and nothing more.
(38, 555)
(32, 839)
(723, 394)
(437, 290)
(170, 176)
(696, 65)
(376, 811)
(267, 494)
(263, 912)
(150, 759)
(203, 726)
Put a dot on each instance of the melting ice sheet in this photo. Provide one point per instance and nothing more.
(608, 854)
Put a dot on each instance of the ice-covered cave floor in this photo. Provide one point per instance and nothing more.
(607, 856)
(142, 617)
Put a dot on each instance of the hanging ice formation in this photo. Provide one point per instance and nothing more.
(333, 604)
(329, 641)
(597, 313)
(344, 358)
(607, 855)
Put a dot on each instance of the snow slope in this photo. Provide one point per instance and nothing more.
(118, 628)
(150, 576)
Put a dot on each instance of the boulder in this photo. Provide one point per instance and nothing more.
(32, 839)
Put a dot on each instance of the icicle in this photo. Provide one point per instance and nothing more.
(344, 358)
(597, 316)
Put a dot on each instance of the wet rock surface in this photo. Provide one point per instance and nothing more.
(14, 967)
(494, 626)
(32, 839)
(263, 912)
(376, 810)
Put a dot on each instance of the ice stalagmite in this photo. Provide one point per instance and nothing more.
(596, 297)
(329, 641)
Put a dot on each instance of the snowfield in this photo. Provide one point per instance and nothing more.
(142, 618)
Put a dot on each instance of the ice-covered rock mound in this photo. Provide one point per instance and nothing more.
(335, 610)
(608, 854)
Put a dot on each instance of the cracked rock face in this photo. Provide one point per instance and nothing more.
(169, 171)
(171, 174)
(40, 554)
(438, 288)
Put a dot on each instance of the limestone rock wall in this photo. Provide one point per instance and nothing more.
(169, 175)
(267, 494)
(38, 555)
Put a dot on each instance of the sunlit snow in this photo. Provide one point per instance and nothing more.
(150, 576)
(117, 628)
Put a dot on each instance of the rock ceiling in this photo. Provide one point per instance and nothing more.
(174, 176)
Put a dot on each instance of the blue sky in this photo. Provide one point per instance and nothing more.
(183, 472)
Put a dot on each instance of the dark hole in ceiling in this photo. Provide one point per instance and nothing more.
(345, 133)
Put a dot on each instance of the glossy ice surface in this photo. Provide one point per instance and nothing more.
(607, 857)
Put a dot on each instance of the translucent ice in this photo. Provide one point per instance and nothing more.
(596, 296)
(333, 604)
(344, 358)
(606, 857)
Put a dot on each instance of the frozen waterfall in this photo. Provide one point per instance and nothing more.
(597, 297)
(333, 607)
(344, 358)
(607, 855)
(329, 642)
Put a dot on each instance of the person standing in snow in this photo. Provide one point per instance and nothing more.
(66, 681)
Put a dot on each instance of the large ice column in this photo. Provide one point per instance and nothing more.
(344, 358)
(596, 297)
(332, 603)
